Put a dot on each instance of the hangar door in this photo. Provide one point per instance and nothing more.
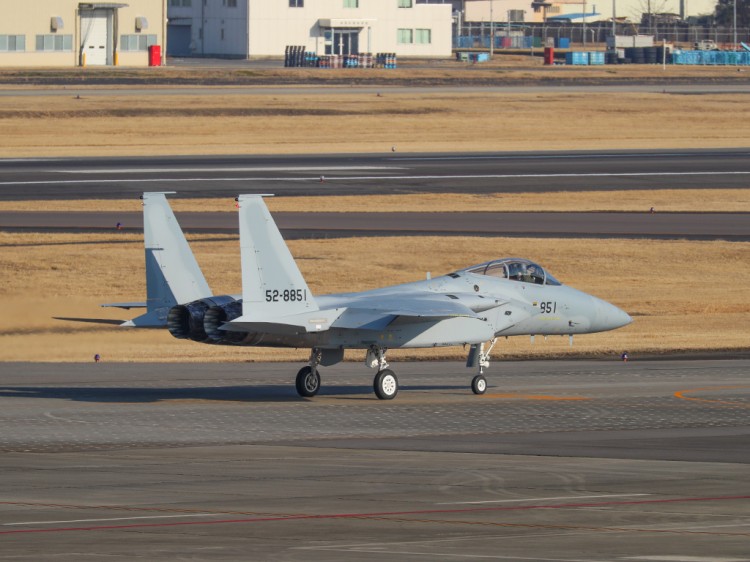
(178, 40)
(96, 36)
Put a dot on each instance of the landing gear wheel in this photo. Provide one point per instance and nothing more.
(308, 382)
(385, 384)
(479, 385)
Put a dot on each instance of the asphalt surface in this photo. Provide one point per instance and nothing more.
(228, 176)
(687, 226)
(561, 460)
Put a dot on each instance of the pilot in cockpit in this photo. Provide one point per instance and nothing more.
(534, 274)
(517, 271)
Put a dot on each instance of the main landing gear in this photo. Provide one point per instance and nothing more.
(308, 378)
(385, 383)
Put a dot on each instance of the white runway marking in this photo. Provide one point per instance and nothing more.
(546, 499)
(375, 178)
(112, 519)
(686, 559)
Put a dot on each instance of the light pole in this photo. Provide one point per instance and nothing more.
(584, 24)
(734, 27)
(614, 22)
(492, 29)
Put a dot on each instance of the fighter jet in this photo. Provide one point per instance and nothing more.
(468, 307)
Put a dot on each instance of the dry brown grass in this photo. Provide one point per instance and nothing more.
(505, 68)
(664, 200)
(363, 122)
(683, 295)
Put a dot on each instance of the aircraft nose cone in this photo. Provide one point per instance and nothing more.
(610, 317)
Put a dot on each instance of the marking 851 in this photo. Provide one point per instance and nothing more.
(548, 307)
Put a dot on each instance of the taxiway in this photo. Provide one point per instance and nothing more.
(561, 460)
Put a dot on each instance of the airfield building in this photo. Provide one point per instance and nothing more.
(264, 28)
(73, 33)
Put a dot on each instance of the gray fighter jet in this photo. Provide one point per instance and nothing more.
(468, 307)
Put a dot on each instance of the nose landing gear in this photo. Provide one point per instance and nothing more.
(385, 383)
(481, 359)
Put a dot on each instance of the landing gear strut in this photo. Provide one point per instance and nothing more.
(308, 378)
(385, 383)
(478, 357)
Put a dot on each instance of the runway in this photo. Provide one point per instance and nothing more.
(561, 460)
(686, 226)
(228, 176)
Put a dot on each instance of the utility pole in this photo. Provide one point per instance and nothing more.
(492, 29)
(614, 21)
(584, 24)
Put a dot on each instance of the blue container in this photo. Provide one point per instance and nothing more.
(563, 43)
(577, 58)
(596, 58)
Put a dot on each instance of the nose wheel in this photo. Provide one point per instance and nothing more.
(479, 385)
(385, 384)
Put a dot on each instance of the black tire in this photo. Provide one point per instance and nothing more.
(479, 385)
(385, 384)
(308, 382)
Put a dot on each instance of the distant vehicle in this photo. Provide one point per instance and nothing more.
(706, 45)
(470, 306)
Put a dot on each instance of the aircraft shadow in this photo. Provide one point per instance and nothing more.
(249, 394)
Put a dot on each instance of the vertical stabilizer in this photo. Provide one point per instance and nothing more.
(172, 274)
(272, 284)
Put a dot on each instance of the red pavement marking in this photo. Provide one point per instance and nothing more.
(368, 515)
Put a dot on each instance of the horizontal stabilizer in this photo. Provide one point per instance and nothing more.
(151, 319)
(125, 305)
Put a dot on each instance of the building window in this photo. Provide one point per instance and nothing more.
(405, 36)
(351, 3)
(136, 42)
(296, 3)
(178, 3)
(12, 42)
(405, 3)
(52, 42)
(230, 3)
(423, 36)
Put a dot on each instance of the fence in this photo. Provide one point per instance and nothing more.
(476, 35)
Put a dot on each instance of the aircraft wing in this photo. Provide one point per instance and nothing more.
(365, 314)
(378, 315)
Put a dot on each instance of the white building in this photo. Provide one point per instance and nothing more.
(250, 28)
(73, 33)
(536, 11)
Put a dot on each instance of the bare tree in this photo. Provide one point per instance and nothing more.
(724, 13)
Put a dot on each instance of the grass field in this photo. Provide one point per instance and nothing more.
(682, 295)
(116, 125)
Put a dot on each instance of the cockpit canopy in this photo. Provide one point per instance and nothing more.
(515, 269)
